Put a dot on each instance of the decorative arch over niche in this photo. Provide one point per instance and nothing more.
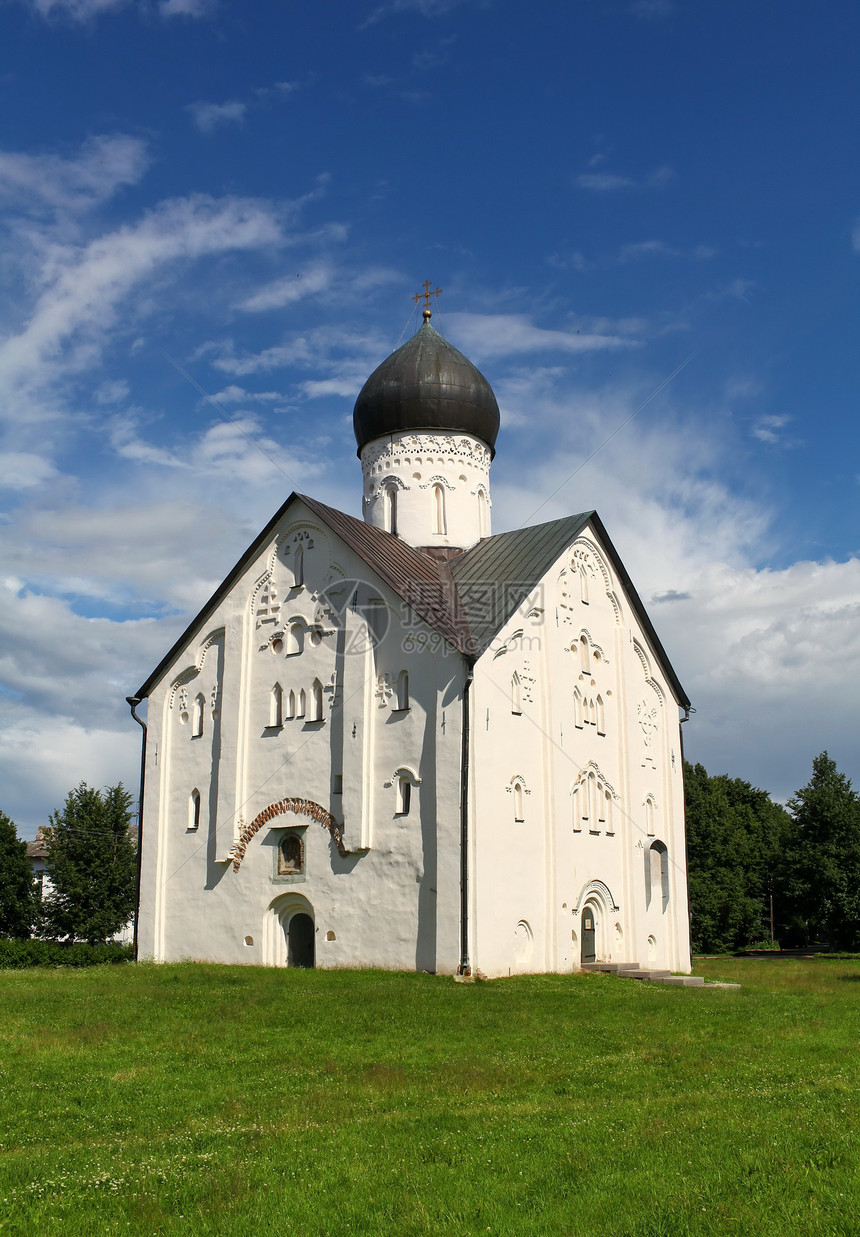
(602, 891)
(192, 671)
(584, 555)
(646, 670)
(302, 807)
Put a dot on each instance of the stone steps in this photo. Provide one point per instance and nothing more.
(651, 975)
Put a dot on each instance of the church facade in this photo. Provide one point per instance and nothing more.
(405, 742)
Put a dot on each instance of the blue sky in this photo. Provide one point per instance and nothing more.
(605, 190)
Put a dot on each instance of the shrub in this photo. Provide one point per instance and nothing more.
(16, 954)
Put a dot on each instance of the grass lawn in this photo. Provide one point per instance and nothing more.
(232, 1100)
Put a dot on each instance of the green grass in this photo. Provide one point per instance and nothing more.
(204, 1099)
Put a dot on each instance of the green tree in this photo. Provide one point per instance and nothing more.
(823, 862)
(92, 865)
(17, 899)
(736, 837)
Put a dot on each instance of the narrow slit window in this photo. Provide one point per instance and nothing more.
(299, 567)
(404, 795)
(516, 694)
(276, 706)
(577, 709)
(583, 585)
(317, 701)
(518, 802)
(197, 717)
(194, 810)
(649, 817)
(303, 703)
(391, 509)
(601, 716)
(291, 704)
(439, 509)
(585, 664)
(403, 690)
(482, 514)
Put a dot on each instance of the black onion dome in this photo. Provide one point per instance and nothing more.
(426, 385)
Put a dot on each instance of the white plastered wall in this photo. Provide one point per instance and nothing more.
(439, 485)
(393, 898)
(533, 877)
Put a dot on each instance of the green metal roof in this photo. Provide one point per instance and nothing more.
(494, 578)
(467, 600)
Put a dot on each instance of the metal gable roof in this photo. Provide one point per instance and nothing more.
(468, 599)
(495, 576)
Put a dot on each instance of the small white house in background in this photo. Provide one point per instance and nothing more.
(405, 742)
(37, 853)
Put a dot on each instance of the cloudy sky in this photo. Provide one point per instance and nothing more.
(645, 207)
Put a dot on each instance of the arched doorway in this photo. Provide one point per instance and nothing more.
(589, 933)
(300, 941)
(289, 932)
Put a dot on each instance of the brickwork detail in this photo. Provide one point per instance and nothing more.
(303, 807)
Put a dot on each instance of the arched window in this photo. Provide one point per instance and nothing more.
(516, 694)
(583, 585)
(577, 708)
(291, 704)
(316, 701)
(518, 801)
(657, 873)
(390, 501)
(194, 809)
(291, 858)
(601, 716)
(649, 816)
(303, 703)
(584, 663)
(295, 639)
(197, 716)
(601, 805)
(482, 514)
(276, 706)
(592, 801)
(404, 795)
(299, 567)
(440, 525)
(403, 690)
(576, 809)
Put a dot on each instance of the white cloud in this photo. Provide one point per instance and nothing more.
(208, 116)
(426, 8)
(607, 182)
(238, 395)
(102, 165)
(646, 249)
(767, 428)
(290, 289)
(85, 10)
(89, 282)
(186, 8)
(20, 470)
(80, 10)
(492, 335)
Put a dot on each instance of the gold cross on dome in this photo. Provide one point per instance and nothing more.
(425, 296)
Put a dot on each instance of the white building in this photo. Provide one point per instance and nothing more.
(404, 742)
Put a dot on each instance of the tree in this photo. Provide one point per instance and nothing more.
(17, 899)
(735, 840)
(823, 861)
(92, 865)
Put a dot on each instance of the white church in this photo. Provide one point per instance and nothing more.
(406, 742)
